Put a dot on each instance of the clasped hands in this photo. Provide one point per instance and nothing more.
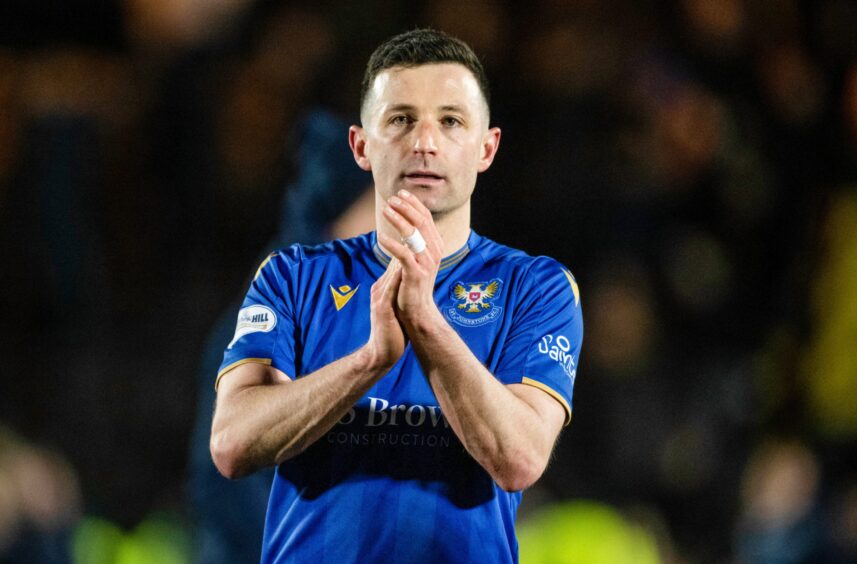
(403, 297)
(415, 296)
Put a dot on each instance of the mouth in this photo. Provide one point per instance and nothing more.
(423, 178)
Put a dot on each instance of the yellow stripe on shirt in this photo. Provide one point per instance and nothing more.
(552, 393)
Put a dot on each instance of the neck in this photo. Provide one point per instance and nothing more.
(454, 226)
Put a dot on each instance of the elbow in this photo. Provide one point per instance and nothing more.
(516, 482)
(229, 456)
(519, 474)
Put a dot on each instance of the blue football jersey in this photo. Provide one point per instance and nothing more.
(391, 481)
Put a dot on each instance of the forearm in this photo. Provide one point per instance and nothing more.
(510, 433)
(501, 431)
(263, 425)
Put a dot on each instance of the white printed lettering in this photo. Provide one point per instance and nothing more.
(409, 419)
(349, 417)
(559, 352)
(374, 410)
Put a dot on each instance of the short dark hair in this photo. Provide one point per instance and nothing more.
(422, 47)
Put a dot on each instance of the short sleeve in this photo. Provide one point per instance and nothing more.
(265, 328)
(542, 348)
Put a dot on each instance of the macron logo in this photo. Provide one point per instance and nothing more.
(342, 295)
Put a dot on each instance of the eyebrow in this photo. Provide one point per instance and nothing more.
(453, 108)
(400, 108)
(410, 108)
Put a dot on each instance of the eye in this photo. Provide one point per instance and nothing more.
(400, 119)
(450, 121)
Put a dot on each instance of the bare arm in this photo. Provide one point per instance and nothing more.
(509, 430)
(263, 418)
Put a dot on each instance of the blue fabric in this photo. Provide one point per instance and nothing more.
(391, 480)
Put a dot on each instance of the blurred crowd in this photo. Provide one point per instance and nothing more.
(693, 162)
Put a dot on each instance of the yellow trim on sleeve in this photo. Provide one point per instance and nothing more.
(264, 263)
(236, 364)
(552, 393)
(574, 287)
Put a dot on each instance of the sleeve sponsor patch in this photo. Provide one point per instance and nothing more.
(254, 319)
(559, 350)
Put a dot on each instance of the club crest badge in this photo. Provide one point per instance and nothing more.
(473, 303)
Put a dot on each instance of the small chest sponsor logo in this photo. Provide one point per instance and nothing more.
(254, 319)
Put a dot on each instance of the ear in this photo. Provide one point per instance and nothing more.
(357, 142)
(490, 144)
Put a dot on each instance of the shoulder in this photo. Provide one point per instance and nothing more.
(536, 270)
(298, 256)
(532, 277)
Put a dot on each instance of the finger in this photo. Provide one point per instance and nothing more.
(391, 288)
(408, 212)
(398, 251)
(422, 220)
(407, 207)
(399, 222)
(392, 267)
(380, 285)
(406, 228)
(395, 282)
(393, 296)
(416, 214)
(405, 219)
(382, 280)
(416, 204)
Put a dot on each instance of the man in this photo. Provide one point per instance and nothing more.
(410, 382)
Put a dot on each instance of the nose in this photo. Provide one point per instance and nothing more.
(425, 138)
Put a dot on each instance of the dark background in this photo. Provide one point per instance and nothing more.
(692, 161)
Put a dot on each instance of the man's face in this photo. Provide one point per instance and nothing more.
(425, 129)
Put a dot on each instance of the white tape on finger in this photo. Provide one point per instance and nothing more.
(415, 241)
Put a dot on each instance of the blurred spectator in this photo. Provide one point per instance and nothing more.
(168, 26)
(161, 537)
(588, 532)
(829, 366)
(796, 87)
(482, 24)
(40, 502)
(845, 524)
(716, 26)
(622, 338)
(781, 520)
